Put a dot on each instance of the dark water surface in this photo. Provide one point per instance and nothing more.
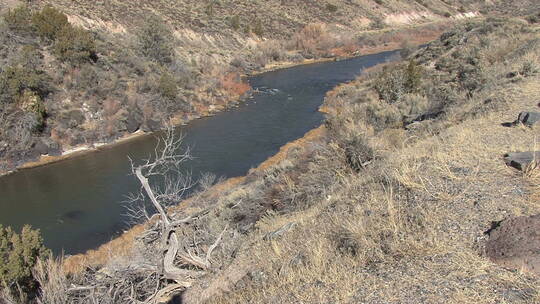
(76, 203)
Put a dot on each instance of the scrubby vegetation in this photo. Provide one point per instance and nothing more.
(19, 254)
(104, 70)
(389, 201)
(155, 40)
(72, 77)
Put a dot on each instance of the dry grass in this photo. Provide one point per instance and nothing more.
(410, 228)
(412, 237)
(117, 248)
(406, 228)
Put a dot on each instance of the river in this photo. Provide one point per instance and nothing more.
(76, 203)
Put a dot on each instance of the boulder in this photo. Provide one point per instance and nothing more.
(151, 125)
(72, 119)
(515, 243)
(522, 160)
(41, 147)
(528, 118)
(132, 123)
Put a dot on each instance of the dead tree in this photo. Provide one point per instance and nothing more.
(166, 262)
(166, 166)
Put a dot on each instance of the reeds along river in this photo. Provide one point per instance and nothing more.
(77, 202)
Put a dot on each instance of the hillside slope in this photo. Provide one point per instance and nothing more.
(391, 201)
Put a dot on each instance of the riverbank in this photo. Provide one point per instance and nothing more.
(412, 41)
(342, 53)
(100, 255)
(399, 206)
(394, 202)
(123, 244)
(126, 89)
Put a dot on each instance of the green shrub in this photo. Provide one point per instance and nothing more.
(235, 22)
(381, 115)
(413, 105)
(471, 78)
(75, 45)
(210, 9)
(168, 86)
(393, 83)
(407, 49)
(155, 40)
(88, 79)
(529, 67)
(390, 85)
(413, 77)
(258, 28)
(18, 256)
(19, 19)
(377, 24)
(23, 74)
(331, 7)
(49, 22)
(533, 18)
(32, 103)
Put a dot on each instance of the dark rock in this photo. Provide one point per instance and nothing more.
(511, 75)
(515, 243)
(258, 276)
(74, 215)
(31, 154)
(72, 119)
(427, 116)
(55, 151)
(528, 118)
(132, 124)
(151, 125)
(76, 137)
(329, 55)
(522, 160)
(3, 146)
(41, 147)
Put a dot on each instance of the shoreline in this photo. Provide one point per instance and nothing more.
(81, 150)
(274, 66)
(123, 243)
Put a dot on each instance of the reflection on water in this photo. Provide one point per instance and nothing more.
(76, 203)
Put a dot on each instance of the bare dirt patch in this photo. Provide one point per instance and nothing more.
(515, 243)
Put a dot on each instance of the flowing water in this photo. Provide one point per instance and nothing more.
(76, 203)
